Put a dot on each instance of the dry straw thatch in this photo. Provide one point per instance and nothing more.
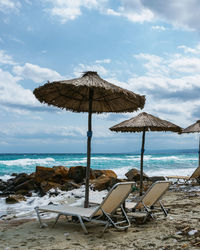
(142, 123)
(147, 121)
(74, 95)
(194, 128)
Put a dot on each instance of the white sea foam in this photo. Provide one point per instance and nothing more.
(27, 161)
(5, 177)
(74, 162)
(159, 171)
(26, 208)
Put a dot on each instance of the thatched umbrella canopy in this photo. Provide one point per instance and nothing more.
(194, 128)
(89, 93)
(142, 123)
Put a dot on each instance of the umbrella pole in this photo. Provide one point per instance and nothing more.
(89, 138)
(199, 150)
(141, 162)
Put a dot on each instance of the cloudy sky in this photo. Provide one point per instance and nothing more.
(151, 47)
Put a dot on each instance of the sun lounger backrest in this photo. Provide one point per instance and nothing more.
(196, 173)
(115, 197)
(154, 193)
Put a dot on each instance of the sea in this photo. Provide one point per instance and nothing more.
(155, 164)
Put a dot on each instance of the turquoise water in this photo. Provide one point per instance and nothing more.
(154, 164)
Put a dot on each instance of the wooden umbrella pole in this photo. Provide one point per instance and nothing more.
(199, 150)
(89, 138)
(141, 162)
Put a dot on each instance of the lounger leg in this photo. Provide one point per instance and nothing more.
(106, 226)
(148, 211)
(82, 224)
(42, 224)
(58, 216)
(163, 209)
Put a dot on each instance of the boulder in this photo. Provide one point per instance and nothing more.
(43, 174)
(11, 199)
(2, 185)
(61, 170)
(28, 185)
(134, 175)
(103, 182)
(20, 178)
(78, 173)
(109, 173)
(47, 185)
(70, 185)
(24, 192)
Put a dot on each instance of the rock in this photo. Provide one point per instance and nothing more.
(70, 185)
(109, 173)
(78, 173)
(43, 174)
(24, 192)
(134, 175)
(27, 185)
(157, 178)
(61, 170)
(47, 185)
(2, 185)
(20, 178)
(11, 199)
(103, 182)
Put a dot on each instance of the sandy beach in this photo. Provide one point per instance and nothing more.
(180, 230)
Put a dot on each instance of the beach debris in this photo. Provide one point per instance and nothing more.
(66, 234)
(192, 232)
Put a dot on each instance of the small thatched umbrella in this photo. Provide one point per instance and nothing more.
(91, 94)
(142, 123)
(194, 128)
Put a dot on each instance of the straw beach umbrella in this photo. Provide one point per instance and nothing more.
(142, 123)
(89, 93)
(194, 128)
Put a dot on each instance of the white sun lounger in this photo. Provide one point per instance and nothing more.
(150, 198)
(195, 176)
(102, 213)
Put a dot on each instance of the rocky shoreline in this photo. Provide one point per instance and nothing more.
(63, 178)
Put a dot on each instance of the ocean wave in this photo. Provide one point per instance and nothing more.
(27, 161)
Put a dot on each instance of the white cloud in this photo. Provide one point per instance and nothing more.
(103, 61)
(36, 73)
(69, 10)
(159, 28)
(5, 58)
(153, 63)
(183, 13)
(13, 93)
(132, 10)
(187, 49)
(186, 65)
(7, 6)
(82, 68)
